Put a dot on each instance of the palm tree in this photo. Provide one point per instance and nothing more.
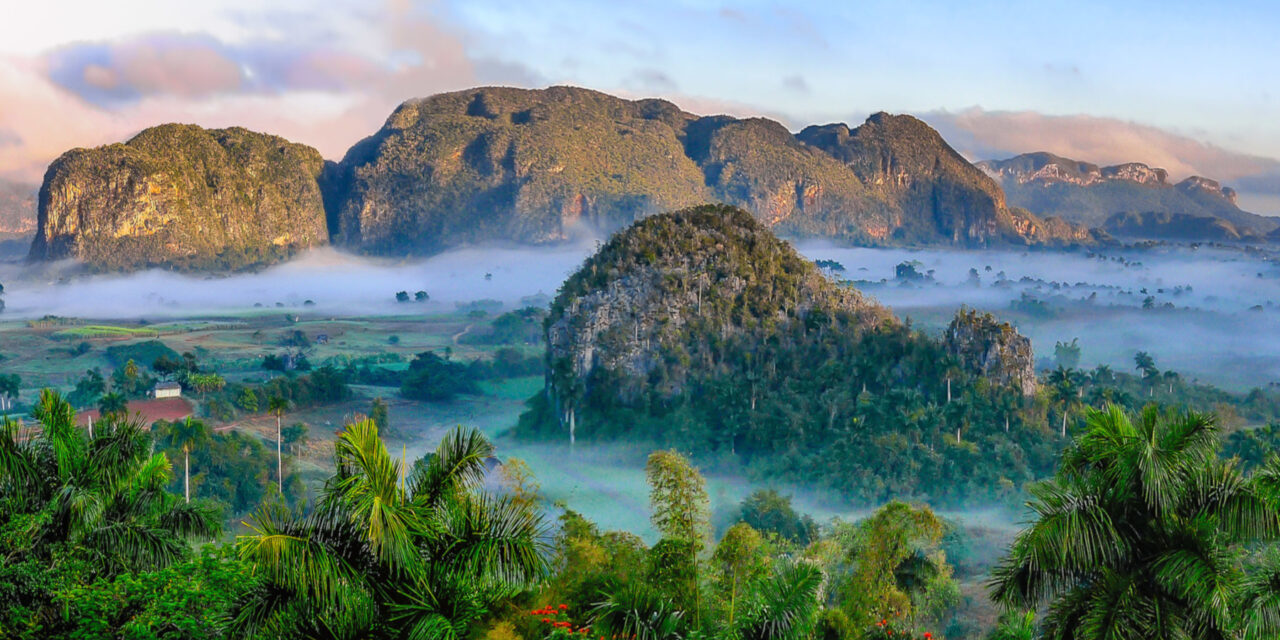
(112, 404)
(276, 406)
(1139, 535)
(187, 435)
(103, 495)
(785, 603)
(426, 558)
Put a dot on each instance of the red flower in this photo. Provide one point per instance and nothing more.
(563, 607)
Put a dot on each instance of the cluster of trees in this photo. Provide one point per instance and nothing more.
(111, 393)
(230, 468)
(418, 296)
(519, 327)
(1144, 531)
(1067, 392)
(439, 378)
(875, 415)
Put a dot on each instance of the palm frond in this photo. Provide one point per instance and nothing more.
(458, 464)
(785, 604)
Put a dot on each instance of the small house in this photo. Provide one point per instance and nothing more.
(168, 389)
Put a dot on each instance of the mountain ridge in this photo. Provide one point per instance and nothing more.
(526, 166)
(1091, 194)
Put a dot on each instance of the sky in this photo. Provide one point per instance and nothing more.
(1191, 87)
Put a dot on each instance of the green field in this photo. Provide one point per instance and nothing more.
(104, 331)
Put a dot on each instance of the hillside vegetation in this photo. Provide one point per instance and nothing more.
(703, 330)
(184, 197)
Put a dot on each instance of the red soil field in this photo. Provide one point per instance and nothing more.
(151, 410)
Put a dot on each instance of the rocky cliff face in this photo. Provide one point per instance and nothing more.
(1089, 194)
(512, 165)
(184, 197)
(985, 346)
(638, 300)
(1160, 225)
(496, 164)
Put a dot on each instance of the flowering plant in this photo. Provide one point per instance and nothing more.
(558, 624)
(887, 630)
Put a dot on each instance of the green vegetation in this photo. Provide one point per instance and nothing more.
(385, 555)
(77, 510)
(535, 164)
(104, 331)
(1144, 532)
(183, 197)
(727, 343)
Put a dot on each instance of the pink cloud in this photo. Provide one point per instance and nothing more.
(983, 135)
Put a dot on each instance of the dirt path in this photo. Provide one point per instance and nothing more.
(462, 333)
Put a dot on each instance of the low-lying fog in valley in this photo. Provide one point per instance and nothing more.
(1208, 313)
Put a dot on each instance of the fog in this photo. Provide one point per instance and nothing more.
(337, 283)
(1215, 315)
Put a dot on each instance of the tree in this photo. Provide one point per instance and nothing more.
(421, 296)
(899, 568)
(97, 503)
(276, 406)
(112, 404)
(739, 558)
(10, 385)
(1140, 534)
(1067, 354)
(248, 400)
(768, 511)
(1015, 625)
(205, 382)
(187, 435)
(680, 513)
(383, 555)
(1146, 364)
(378, 413)
(295, 435)
(402, 296)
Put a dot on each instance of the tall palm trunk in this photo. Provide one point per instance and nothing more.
(279, 459)
(186, 474)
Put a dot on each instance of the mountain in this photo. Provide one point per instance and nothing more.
(701, 329)
(1162, 225)
(533, 166)
(183, 197)
(1089, 194)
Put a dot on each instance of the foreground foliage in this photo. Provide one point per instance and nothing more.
(391, 552)
(1144, 532)
(79, 509)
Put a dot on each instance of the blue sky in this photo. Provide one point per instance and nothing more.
(1203, 71)
(1188, 86)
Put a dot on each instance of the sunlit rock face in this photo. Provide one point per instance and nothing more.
(538, 166)
(180, 196)
(988, 347)
(1086, 193)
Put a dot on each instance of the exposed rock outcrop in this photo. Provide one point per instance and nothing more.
(640, 298)
(1089, 194)
(183, 197)
(985, 346)
(531, 166)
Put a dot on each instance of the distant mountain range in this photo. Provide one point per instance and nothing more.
(17, 208)
(1152, 206)
(540, 166)
(520, 166)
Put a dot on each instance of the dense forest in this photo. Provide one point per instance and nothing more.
(1144, 530)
